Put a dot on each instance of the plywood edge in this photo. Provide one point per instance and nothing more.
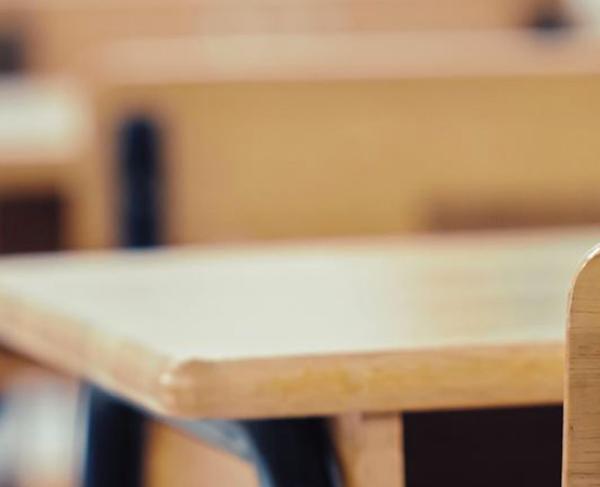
(425, 379)
(370, 449)
(444, 378)
(66, 345)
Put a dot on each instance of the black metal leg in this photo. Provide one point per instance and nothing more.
(115, 430)
(114, 442)
(288, 453)
(294, 452)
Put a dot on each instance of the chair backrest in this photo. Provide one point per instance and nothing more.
(581, 465)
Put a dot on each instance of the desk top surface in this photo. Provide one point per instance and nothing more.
(305, 328)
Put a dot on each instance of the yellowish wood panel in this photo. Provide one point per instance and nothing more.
(581, 466)
(299, 159)
(11, 365)
(174, 459)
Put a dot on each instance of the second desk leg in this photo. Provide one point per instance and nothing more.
(370, 449)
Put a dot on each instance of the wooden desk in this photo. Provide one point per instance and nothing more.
(268, 137)
(338, 328)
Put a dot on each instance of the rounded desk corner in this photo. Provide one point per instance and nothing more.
(187, 389)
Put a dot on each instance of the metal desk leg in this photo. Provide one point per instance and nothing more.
(293, 453)
(286, 452)
(115, 430)
(114, 442)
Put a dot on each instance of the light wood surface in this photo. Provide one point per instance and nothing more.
(581, 466)
(12, 366)
(173, 459)
(370, 448)
(305, 329)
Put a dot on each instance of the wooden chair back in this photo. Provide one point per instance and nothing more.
(581, 465)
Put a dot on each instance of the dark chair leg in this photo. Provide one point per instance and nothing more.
(294, 452)
(114, 442)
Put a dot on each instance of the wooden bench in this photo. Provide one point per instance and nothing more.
(359, 331)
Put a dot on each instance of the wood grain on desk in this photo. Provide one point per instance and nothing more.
(305, 329)
(581, 455)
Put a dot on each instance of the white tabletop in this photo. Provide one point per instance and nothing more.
(260, 307)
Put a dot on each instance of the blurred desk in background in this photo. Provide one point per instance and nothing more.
(45, 127)
(54, 36)
(268, 137)
(355, 330)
